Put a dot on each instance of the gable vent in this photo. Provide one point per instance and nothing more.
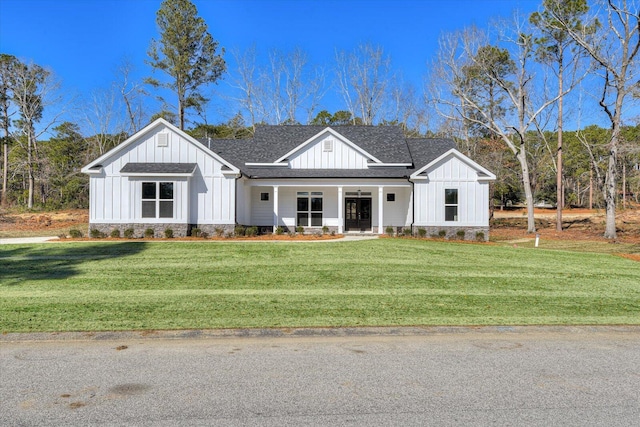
(327, 145)
(163, 140)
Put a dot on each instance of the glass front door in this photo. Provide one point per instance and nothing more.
(357, 215)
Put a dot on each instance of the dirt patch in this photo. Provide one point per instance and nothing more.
(46, 222)
(578, 224)
(633, 257)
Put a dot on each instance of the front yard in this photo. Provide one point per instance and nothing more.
(123, 285)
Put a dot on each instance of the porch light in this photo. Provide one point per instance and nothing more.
(359, 192)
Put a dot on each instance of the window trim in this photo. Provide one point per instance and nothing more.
(310, 212)
(455, 205)
(158, 200)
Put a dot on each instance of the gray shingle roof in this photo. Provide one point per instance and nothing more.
(386, 143)
(159, 168)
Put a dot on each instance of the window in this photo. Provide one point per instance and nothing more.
(327, 145)
(451, 204)
(157, 200)
(309, 209)
(391, 197)
(264, 197)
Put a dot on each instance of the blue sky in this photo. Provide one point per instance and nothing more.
(83, 41)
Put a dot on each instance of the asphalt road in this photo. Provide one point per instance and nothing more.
(486, 376)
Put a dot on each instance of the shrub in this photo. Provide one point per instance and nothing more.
(480, 236)
(461, 234)
(115, 233)
(389, 230)
(128, 233)
(422, 232)
(325, 229)
(251, 231)
(442, 234)
(239, 230)
(407, 231)
(300, 229)
(228, 235)
(204, 234)
(219, 231)
(149, 233)
(333, 233)
(168, 233)
(96, 234)
(279, 231)
(75, 233)
(195, 232)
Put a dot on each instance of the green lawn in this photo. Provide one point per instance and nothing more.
(158, 285)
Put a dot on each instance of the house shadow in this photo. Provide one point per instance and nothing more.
(20, 264)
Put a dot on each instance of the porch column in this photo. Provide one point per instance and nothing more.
(380, 209)
(340, 212)
(275, 208)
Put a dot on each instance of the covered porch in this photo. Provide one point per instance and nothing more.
(342, 207)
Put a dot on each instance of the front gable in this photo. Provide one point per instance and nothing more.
(160, 142)
(453, 166)
(328, 150)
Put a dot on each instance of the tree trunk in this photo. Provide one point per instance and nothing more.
(624, 184)
(181, 113)
(590, 187)
(30, 174)
(526, 181)
(560, 189)
(5, 168)
(610, 189)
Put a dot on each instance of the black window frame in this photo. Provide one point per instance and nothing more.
(310, 208)
(451, 204)
(161, 205)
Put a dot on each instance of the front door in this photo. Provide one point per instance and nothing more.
(357, 214)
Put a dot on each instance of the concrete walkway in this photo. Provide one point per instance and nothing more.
(20, 240)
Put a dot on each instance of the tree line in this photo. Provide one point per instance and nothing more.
(502, 93)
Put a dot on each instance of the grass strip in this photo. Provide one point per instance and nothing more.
(151, 285)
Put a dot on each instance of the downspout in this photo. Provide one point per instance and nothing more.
(235, 210)
(413, 203)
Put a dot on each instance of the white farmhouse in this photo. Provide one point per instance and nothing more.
(349, 179)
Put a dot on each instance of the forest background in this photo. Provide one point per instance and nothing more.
(546, 99)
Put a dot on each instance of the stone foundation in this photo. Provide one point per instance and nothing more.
(179, 230)
(451, 233)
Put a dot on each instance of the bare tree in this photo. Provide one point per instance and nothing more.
(403, 107)
(557, 49)
(362, 77)
(492, 87)
(132, 94)
(102, 116)
(284, 90)
(614, 49)
(34, 88)
(7, 70)
(248, 84)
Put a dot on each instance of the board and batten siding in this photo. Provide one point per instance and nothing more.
(208, 197)
(451, 173)
(316, 156)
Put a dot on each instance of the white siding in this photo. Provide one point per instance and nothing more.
(206, 198)
(261, 210)
(473, 195)
(398, 213)
(341, 156)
